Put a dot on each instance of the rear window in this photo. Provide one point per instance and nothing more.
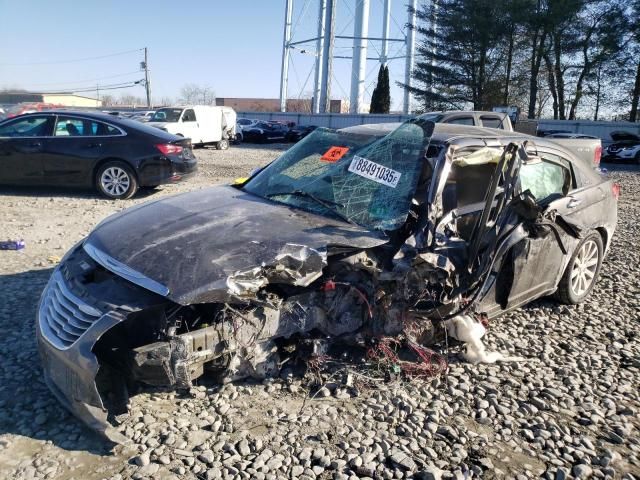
(491, 122)
(461, 121)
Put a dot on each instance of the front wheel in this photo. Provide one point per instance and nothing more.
(222, 144)
(582, 271)
(116, 180)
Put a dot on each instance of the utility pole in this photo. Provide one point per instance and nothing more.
(98, 92)
(147, 84)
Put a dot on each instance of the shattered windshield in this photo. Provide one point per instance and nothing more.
(358, 178)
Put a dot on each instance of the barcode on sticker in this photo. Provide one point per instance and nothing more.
(374, 171)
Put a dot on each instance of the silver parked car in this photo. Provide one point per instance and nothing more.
(356, 233)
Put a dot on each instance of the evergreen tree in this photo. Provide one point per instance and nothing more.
(385, 92)
(378, 96)
(460, 57)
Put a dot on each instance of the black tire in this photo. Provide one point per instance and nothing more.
(571, 289)
(116, 180)
(638, 158)
(222, 144)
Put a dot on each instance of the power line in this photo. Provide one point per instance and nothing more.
(75, 82)
(71, 61)
(113, 86)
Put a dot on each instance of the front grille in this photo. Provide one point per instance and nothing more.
(63, 316)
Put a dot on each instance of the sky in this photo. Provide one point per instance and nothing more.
(232, 46)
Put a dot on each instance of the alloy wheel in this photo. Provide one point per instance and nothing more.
(584, 268)
(115, 181)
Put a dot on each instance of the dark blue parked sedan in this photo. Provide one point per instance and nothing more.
(76, 149)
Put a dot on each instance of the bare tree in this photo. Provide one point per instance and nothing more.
(166, 101)
(108, 100)
(130, 100)
(192, 93)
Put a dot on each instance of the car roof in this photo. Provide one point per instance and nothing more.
(452, 133)
(106, 117)
(443, 132)
(121, 122)
(469, 112)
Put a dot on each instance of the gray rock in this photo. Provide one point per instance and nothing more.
(402, 460)
(582, 471)
(207, 457)
(142, 459)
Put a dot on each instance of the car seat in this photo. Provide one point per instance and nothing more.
(72, 130)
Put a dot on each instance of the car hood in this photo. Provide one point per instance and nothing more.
(622, 136)
(207, 246)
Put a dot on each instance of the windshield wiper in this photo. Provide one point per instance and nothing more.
(320, 201)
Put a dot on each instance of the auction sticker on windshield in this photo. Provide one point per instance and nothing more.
(334, 154)
(374, 171)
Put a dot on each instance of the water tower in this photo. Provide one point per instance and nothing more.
(325, 40)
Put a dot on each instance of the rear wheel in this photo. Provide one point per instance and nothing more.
(116, 180)
(582, 271)
(222, 144)
(638, 157)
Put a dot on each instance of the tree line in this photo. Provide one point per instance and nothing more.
(563, 58)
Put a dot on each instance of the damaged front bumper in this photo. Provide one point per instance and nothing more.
(70, 367)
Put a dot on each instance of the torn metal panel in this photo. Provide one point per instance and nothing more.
(294, 265)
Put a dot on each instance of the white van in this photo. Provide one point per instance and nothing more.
(203, 124)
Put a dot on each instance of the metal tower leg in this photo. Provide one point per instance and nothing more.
(327, 56)
(411, 53)
(317, 80)
(359, 65)
(386, 16)
(284, 72)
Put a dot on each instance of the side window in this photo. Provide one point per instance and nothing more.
(27, 127)
(491, 122)
(189, 116)
(461, 121)
(545, 179)
(70, 127)
(102, 129)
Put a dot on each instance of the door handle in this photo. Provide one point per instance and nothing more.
(573, 203)
(35, 144)
(94, 145)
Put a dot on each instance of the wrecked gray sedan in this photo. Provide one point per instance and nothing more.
(348, 235)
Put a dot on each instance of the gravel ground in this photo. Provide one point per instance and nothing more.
(571, 410)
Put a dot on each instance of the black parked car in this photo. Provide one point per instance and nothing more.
(299, 132)
(114, 155)
(265, 132)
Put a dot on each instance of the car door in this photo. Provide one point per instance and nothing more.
(73, 150)
(22, 143)
(190, 126)
(537, 261)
